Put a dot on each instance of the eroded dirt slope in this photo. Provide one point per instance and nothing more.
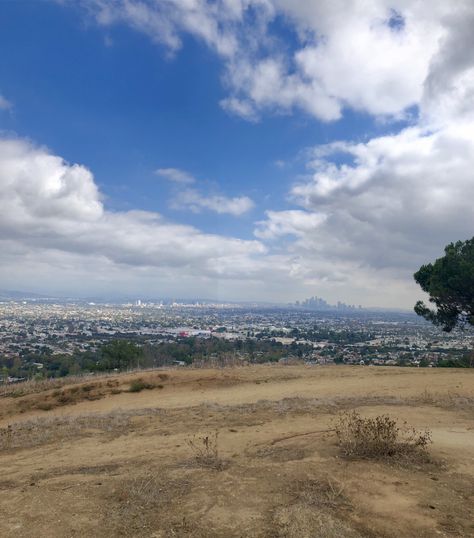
(106, 462)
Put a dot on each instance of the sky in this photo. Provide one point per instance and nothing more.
(235, 150)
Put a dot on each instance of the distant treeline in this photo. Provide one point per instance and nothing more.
(125, 354)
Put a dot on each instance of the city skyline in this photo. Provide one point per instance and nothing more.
(235, 150)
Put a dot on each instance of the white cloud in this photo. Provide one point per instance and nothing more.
(291, 222)
(400, 201)
(384, 207)
(214, 23)
(240, 107)
(4, 103)
(358, 230)
(176, 175)
(53, 210)
(358, 238)
(449, 87)
(192, 199)
(377, 57)
(195, 201)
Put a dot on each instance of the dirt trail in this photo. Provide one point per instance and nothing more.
(186, 388)
(132, 472)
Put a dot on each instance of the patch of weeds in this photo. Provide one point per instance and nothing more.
(138, 385)
(64, 398)
(282, 454)
(380, 438)
(205, 449)
(45, 406)
(142, 492)
(141, 506)
(138, 501)
(115, 391)
(93, 397)
(303, 521)
(163, 377)
(323, 492)
(87, 388)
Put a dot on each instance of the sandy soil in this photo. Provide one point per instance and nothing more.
(101, 461)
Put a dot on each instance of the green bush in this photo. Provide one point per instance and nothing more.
(138, 385)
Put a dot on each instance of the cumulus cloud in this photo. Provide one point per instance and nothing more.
(195, 201)
(370, 56)
(385, 206)
(54, 208)
(402, 198)
(213, 23)
(175, 175)
(365, 216)
(291, 222)
(192, 199)
(448, 94)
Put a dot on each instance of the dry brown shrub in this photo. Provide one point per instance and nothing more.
(137, 503)
(205, 449)
(141, 506)
(45, 406)
(324, 492)
(142, 492)
(380, 438)
(137, 385)
(302, 521)
(163, 377)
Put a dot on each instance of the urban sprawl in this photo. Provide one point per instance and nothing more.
(52, 339)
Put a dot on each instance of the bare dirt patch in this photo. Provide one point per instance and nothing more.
(121, 465)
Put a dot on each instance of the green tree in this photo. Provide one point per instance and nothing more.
(121, 354)
(449, 281)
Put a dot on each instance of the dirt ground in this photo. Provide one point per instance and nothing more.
(239, 452)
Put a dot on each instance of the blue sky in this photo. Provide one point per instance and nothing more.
(287, 144)
(117, 103)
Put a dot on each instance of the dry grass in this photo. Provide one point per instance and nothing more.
(445, 400)
(140, 506)
(44, 430)
(36, 386)
(325, 492)
(137, 385)
(380, 438)
(205, 451)
(318, 508)
(130, 473)
(303, 521)
(32, 386)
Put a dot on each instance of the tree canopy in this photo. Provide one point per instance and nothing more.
(449, 281)
(121, 354)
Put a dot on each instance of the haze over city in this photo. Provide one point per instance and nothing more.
(237, 150)
(237, 268)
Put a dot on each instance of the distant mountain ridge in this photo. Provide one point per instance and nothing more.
(15, 295)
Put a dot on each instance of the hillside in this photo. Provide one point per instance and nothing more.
(244, 452)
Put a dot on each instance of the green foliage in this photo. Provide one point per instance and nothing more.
(449, 281)
(464, 362)
(121, 355)
(137, 385)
